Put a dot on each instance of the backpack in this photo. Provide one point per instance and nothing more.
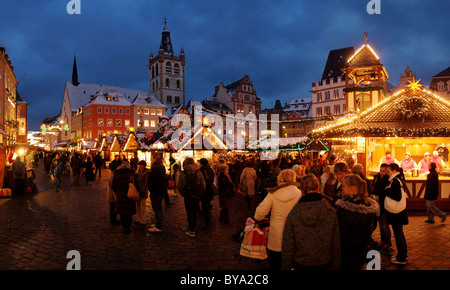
(191, 187)
(58, 169)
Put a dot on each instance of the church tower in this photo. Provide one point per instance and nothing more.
(167, 80)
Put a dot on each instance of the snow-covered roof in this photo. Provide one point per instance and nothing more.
(109, 96)
(146, 99)
(80, 95)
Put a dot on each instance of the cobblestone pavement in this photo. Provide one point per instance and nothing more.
(37, 232)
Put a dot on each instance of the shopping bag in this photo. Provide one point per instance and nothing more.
(394, 206)
(254, 244)
(133, 193)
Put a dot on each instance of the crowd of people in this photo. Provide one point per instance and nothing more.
(322, 213)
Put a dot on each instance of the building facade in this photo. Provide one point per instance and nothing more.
(8, 95)
(440, 83)
(328, 97)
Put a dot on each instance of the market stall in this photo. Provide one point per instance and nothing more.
(414, 121)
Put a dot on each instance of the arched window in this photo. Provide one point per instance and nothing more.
(168, 68)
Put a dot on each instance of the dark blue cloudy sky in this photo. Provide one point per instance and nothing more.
(282, 45)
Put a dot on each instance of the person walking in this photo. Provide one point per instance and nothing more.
(98, 162)
(279, 202)
(125, 206)
(247, 182)
(77, 167)
(19, 171)
(357, 215)
(157, 185)
(191, 186)
(431, 194)
(397, 220)
(56, 169)
(141, 184)
(311, 233)
(208, 196)
(226, 192)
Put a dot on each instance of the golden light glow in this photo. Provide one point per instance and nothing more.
(414, 84)
(356, 53)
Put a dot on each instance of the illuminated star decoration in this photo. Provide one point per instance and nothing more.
(414, 84)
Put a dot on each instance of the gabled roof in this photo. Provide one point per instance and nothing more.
(409, 113)
(444, 73)
(365, 56)
(336, 61)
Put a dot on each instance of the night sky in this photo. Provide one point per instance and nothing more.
(282, 45)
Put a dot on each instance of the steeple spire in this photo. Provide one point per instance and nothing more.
(75, 72)
(166, 43)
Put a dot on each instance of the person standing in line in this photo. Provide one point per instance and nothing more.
(191, 186)
(379, 184)
(311, 234)
(125, 207)
(76, 165)
(247, 182)
(357, 215)
(431, 195)
(208, 195)
(88, 170)
(279, 202)
(142, 186)
(333, 186)
(115, 163)
(226, 192)
(19, 171)
(157, 185)
(397, 220)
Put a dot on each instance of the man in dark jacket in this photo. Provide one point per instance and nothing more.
(98, 162)
(208, 195)
(191, 186)
(157, 185)
(76, 165)
(431, 194)
(19, 172)
(378, 188)
(125, 206)
(115, 163)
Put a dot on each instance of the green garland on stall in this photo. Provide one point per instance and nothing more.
(383, 132)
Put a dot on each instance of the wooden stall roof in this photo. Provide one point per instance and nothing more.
(412, 112)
